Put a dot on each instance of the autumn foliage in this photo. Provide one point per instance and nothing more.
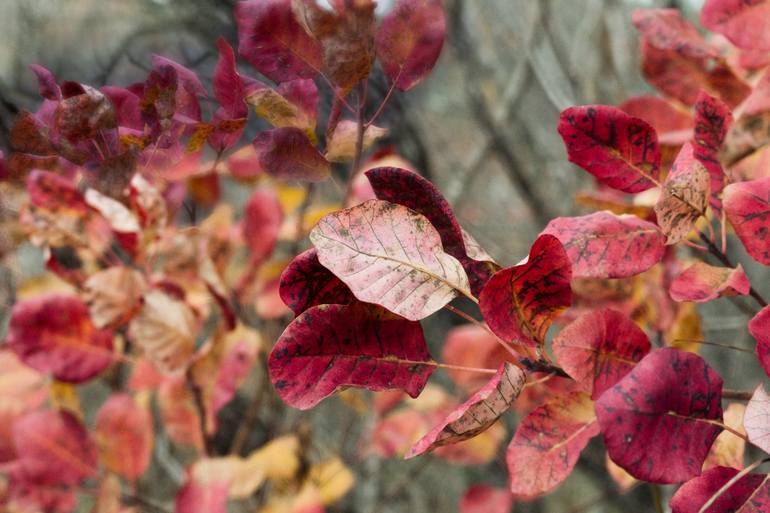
(161, 291)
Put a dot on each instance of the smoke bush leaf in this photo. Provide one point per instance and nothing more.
(305, 283)
(702, 282)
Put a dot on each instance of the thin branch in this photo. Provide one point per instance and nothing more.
(722, 257)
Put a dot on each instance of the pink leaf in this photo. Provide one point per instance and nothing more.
(409, 41)
(389, 255)
(476, 414)
(599, 244)
(202, 496)
(124, 436)
(274, 42)
(712, 120)
(485, 499)
(262, 218)
(759, 327)
(756, 419)
(692, 495)
(744, 23)
(747, 205)
(548, 443)
(305, 283)
(655, 421)
(599, 348)
(54, 448)
(520, 302)
(701, 283)
(329, 347)
(415, 192)
(672, 123)
(54, 333)
(621, 151)
(47, 85)
(286, 153)
(665, 29)
(472, 346)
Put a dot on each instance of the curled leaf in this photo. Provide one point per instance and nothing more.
(305, 283)
(702, 282)
(329, 347)
(389, 255)
(341, 147)
(476, 414)
(519, 303)
(114, 295)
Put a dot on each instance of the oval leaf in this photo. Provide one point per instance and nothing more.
(114, 295)
(124, 436)
(756, 418)
(599, 245)
(702, 282)
(655, 420)
(520, 302)
(286, 153)
(262, 218)
(485, 499)
(747, 205)
(476, 414)
(53, 333)
(599, 348)
(409, 41)
(389, 255)
(329, 347)
(621, 151)
(548, 443)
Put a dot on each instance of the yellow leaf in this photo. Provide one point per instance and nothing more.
(686, 329)
(333, 480)
(728, 449)
(64, 396)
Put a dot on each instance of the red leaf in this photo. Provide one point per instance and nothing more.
(744, 23)
(599, 348)
(230, 91)
(712, 120)
(54, 448)
(476, 414)
(666, 30)
(701, 283)
(53, 333)
(747, 205)
(759, 327)
(197, 496)
(305, 283)
(599, 244)
(673, 124)
(391, 256)
(53, 192)
(262, 218)
(472, 346)
(286, 153)
(621, 151)
(47, 85)
(485, 499)
(274, 42)
(81, 117)
(520, 302)
(415, 192)
(329, 347)
(756, 417)
(684, 197)
(655, 420)
(691, 496)
(124, 436)
(548, 443)
(409, 41)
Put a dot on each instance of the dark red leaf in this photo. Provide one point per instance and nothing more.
(286, 153)
(476, 414)
(83, 116)
(747, 205)
(274, 42)
(520, 302)
(701, 283)
(712, 120)
(548, 443)
(53, 192)
(655, 420)
(330, 347)
(601, 245)
(415, 192)
(692, 495)
(599, 348)
(54, 333)
(230, 91)
(54, 448)
(621, 151)
(305, 283)
(409, 41)
(745, 23)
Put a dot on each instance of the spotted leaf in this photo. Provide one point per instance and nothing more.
(692, 495)
(305, 283)
(747, 205)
